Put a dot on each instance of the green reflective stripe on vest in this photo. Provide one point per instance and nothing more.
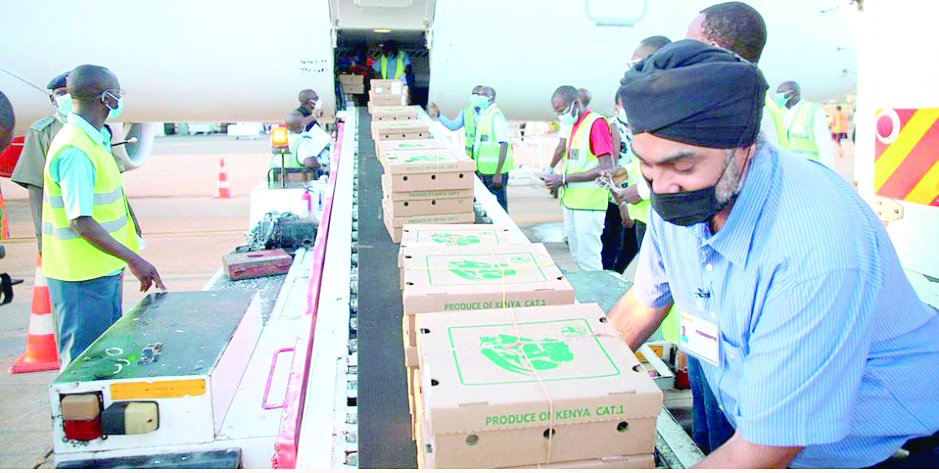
(100, 199)
(399, 66)
(801, 135)
(583, 195)
(778, 114)
(66, 256)
(488, 150)
(66, 233)
(469, 128)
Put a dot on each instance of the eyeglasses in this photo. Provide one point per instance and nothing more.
(117, 93)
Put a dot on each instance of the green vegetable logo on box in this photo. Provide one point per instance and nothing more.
(480, 271)
(509, 353)
(452, 239)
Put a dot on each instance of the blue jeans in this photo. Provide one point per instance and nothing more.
(709, 426)
(500, 192)
(83, 311)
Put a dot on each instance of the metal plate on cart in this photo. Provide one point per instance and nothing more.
(191, 328)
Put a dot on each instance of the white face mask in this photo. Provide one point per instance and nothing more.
(621, 115)
(318, 104)
(63, 105)
(568, 117)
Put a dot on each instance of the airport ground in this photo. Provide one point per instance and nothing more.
(187, 231)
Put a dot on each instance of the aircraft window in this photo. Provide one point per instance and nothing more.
(615, 12)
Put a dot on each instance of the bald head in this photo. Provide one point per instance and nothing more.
(86, 83)
(734, 26)
(650, 46)
(294, 122)
(584, 95)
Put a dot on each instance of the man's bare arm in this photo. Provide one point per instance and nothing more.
(738, 453)
(634, 321)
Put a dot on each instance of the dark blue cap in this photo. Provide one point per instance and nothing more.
(58, 81)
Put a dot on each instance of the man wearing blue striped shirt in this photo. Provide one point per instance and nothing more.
(813, 342)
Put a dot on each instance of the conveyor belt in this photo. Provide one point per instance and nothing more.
(384, 419)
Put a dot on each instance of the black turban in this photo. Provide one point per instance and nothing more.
(58, 81)
(697, 94)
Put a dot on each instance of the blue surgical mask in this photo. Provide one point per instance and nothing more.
(479, 101)
(780, 99)
(63, 104)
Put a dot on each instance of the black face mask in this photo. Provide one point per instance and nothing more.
(687, 208)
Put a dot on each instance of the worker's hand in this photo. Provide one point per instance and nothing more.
(553, 181)
(631, 194)
(497, 181)
(433, 111)
(146, 273)
(624, 217)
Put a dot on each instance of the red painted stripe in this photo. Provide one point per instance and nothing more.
(905, 114)
(921, 159)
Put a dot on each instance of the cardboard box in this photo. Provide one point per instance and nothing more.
(407, 112)
(428, 181)
(387, 87)
(488, 375)
(417, 407)
(424, 207)
(352, 83)
(395, 224)
(423, 236)
(400, 130)
(382, 147)
(474, 278)
(385, 101)
(424, 195)
(629, 462)
(438, 160)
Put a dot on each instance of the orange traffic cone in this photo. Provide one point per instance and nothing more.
(224, 192)
(4, 220)
(41, 349)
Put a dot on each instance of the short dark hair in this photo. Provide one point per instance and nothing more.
(567, 93)
(655, 43)
(735, 26)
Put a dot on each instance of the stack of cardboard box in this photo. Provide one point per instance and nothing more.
(386, 92)
(425, 186)
(352, 84)
(535, 387)
(504, 371)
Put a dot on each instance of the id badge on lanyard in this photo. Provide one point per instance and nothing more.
(699, 334)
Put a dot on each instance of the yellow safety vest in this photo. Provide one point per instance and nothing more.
(469, 128)
(583, 195)
(488, 151)
(800, 136)
(778, 115)
(399, 66)
(66, 255)
(293, 141)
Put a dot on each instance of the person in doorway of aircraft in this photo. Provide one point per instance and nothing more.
(392, 63)
(583, 201)
(89, 232)
(311, 108)
(802, 126)
(815, 343)
(28, 170)
(466, 119)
